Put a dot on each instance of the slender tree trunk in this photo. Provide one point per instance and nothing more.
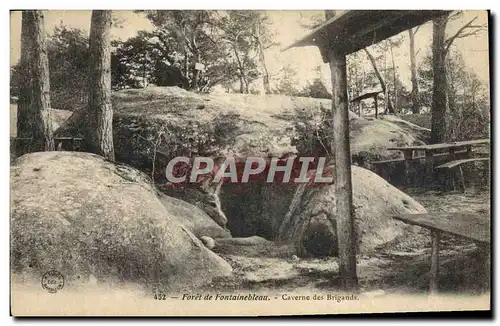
(186, 62)
(246, 85)
(262, 59)
(386, 90)
(361, 87)
(241, 69)
(380, 79)
(440, 87)
(100, 114)
(196, 77)
(414, 95)
(242, 84)
(450, 82)
(186, 53)
(395, 78)
(43, 138)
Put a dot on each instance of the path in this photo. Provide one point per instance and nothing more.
(398, 267)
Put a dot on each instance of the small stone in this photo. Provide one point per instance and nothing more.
(208, 242)
(295, 258)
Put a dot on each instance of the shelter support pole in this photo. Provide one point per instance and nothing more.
(346, 233)
(434, 273)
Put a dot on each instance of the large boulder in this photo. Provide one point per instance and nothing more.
(311, 222)
(193, 218)
(91, 219)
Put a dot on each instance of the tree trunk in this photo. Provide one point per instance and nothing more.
(380, 79)
(43, 138)
(395, 78)
(100, 114)
(246, 85)
(196, 77)
(262, 59)
(186, 62)
(24, 116)
(415, 103)
(241, 69)
(440, 87)
(242, 84)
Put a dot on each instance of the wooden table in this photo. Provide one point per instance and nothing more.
(450, 150)
(472, 226)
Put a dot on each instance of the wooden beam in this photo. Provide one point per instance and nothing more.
(365, 96)
(346, 234)
(369, 29)
(352, 30)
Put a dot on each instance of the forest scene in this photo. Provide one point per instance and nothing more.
(396, 104)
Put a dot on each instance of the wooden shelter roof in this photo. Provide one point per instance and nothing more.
(353, 30)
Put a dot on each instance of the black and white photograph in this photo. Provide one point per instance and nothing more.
(249, 162)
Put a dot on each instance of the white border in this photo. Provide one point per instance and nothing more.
(219, 4)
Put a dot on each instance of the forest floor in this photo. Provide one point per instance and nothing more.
(399, 267)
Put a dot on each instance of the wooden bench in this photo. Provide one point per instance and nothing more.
(401, 159)
(472, 226)
(455, 167)
(452, 164)
(450, 149)
(378, 164)
(22, 145)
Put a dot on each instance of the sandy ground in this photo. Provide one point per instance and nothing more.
(399, 267)
(394, 279)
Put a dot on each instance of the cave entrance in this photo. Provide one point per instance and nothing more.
(256, 208)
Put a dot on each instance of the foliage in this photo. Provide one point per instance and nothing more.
(468, 97)
(69, 60)
(287, 83)
(69, 55)
(468, 101)
(238, 33)
(133, 61)
(313, 132)
(225, 42)
(315, 89)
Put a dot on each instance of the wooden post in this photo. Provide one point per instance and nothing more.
(485, 249)
(469, 152)
(408, 155)
(453, 175)
(429, 167)
(433, 283)
(376, 106)
(343, 185)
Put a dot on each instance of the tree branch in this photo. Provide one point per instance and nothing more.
(458, 34)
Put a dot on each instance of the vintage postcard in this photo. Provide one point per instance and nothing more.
(249, 162)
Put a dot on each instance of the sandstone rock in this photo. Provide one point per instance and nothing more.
(208, 242)
(253, 246)
(166, 120)
(81, 215)
(311, 220)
